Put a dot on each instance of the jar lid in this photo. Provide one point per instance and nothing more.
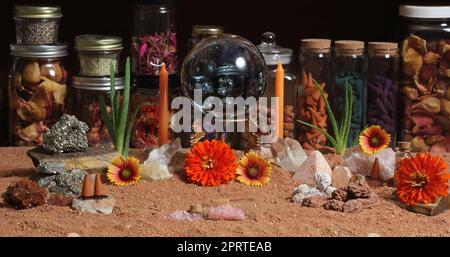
(30, 11)
(318, 45)
(350, 47)
(39, 51)
(90, 42)
(425, 11)
(207, 30)
(272, 52)
(383, 48)
(96, 84)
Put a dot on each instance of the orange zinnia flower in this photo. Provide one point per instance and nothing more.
(374, 139)
(253, 170)
(124, 171)
(210, 163)
(421, 179)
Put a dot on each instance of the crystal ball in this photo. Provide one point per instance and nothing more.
(223, 66)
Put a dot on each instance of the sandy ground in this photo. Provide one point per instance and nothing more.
(142, 210)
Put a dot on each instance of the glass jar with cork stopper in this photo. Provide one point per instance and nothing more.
(350, 65)
(382, 87)
(315, 65)
(200, 32)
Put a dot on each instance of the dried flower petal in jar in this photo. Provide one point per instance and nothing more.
(37, 91)
(425, 81)
(315, 65)
(36, 25)
(84, 104)
(96, 53)
(382, 87)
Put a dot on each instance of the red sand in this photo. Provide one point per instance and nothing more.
(142, 209)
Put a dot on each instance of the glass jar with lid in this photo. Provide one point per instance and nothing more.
(96, 52)
(37, 91)
(37, 25)
(425, 77)
(200, 32)
(84, 104)
(350, 67)
(154, 42)
(273, 54)
(382, 87)
(315, 65)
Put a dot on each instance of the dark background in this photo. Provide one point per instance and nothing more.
(290, 20)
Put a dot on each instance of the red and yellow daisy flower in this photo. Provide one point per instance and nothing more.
(124, 171)
(210, 163)
(374, 139)
(421, 179)
(253, 170)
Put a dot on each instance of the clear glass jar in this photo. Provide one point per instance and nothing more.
(315, 64)
(37, 25)
(154, 42)
(96, 52)
(37, 91)
(425, 81)
(272, 55)
(200, 32)
(84, 104)
(145, 131)
(382, 87)
(350, 65)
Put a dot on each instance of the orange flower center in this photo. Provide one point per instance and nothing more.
(253, 172)
(208, 163)
(125, 174)
(418, 179)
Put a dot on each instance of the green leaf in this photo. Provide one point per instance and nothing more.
(349, 91)
(112, 79)
(330, 113)
(120, 136)
(129, 130)
(106, 118)
(332, 140)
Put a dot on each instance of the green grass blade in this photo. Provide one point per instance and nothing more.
(332, 140)
(120, 136)
(330, 113)
(117, 106)
(106, 118)
(129, 130)
(112, 79)
(349, 111)
(345, 119)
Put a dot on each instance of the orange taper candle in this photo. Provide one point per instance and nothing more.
(163, 129)
(279, 92)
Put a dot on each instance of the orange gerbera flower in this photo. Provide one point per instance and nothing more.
(210, 163)
(421, 179)
(374, 139)
(124, 171)
(253, 170)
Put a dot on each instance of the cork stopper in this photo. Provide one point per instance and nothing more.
(383, 48)
(316, 45)
(349, 47)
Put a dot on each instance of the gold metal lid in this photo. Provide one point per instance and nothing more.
(207, 30)
(37, 12)
(90, 42)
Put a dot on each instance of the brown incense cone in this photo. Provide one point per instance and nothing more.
(375, 174)
(88, 187)
(99, 190)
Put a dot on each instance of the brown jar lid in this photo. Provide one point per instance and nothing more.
(317, 45)
(349, 47)
(383, 48)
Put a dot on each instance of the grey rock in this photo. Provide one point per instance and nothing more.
(323, 180)
(298, 198)
(69, 183)
(67, 135)
(329, 191)
(304, 191)
(101, 205)
(50, 168)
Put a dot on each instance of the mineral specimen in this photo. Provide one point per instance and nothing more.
(315, 201)
(361, 163)
(334, 205)
(156, 167)
(185, 216)
(225, 212)
(288, 154)
(341, 176)
(97, 205)
(25, 194)
(323, 180)
(67, 182)
(314, 163)
(339, 194)
(50, 168)
(352, 206)
(67, 135)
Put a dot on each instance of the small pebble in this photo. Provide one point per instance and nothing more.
(73, 235)
(373, 235)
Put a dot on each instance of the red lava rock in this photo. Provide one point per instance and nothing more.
(60, 200)
(334, 205)
(314, 202)
(352, 206)
(339, 194)
(371, 201)
(25, 194)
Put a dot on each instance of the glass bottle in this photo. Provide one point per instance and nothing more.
(350, 64)
(272, 55)
(382, 87)
(37, 25)
(154, 42)
(315, 64)
(84, 104)
(96, 52)
(425, 77)
(37, 91)
(200, 32)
